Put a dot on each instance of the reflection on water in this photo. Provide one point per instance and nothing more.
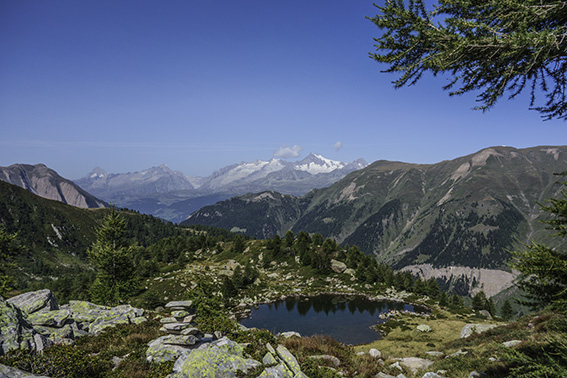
(346, 318)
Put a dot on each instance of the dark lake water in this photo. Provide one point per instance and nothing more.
(348, 319)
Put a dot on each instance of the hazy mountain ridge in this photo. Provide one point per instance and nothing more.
(173, 196)
(464, 212)
(47, 183)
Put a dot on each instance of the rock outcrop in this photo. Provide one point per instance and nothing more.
(35, 321)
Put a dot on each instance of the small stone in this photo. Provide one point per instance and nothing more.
(289, 334)
(424, 328)
(190, 331)
(170, 319)
(375, 353)
(179, 305)
(512, 343)
(179, 314)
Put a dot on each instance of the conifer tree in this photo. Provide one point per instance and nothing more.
(113, 261)
(8, 249)
(479, 301)
(543, 270)
(506, 312)
(490, 47)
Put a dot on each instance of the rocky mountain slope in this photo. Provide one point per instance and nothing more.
(466, 212)
(173, 196)
(47, 183)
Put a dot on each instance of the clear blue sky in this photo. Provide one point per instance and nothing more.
(197, 85)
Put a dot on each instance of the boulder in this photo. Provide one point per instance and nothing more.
(221, 358)
(179, 305)
(338, 266)
(55, 318)
(414, 363)
(279, 371)
(12, 372)
(289, 334)
(288, 359)
(375, 353)
(350, 271)
(169, 348)
(512, 343)
(269, 359)
(41, 300)
(423, 328)
(470, 329)
(15, 331)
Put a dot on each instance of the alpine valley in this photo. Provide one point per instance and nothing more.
(173, 196)
(455, 220)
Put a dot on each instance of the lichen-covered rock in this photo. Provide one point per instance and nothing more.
(469, 329)
(289, 359)
(221, 358)
(423, 328)
(179, 305)
(15, 331)
(106, 320)
(86, 312)
(41, 300)
(338, 266)
(279, 371)
(55, 318)
(12, 372)
(159, 352)
(415, 363)
(56, 334)
(269, 359)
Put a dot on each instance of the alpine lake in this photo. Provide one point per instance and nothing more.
(348, 319)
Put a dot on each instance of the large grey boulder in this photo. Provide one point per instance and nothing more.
(414, 363)
(15, 331)
(221, 358)
(170, 347)
(12, 372)
(41, 300)
(55, 318)
(338, 266)
(470, 329)
(94, 318)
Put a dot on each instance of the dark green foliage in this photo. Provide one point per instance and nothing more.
(112, 258)
(491, 47)
(543, 270)
(8, 249)
(479, 301)
(228, 289)
(62, 361)
(238, 244)
(443, 299)
(506, 312)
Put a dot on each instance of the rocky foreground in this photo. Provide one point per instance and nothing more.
(34, 321)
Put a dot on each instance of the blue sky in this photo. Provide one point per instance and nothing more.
(197, 85)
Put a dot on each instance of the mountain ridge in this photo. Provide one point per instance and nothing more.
(46, 183)
(173, 196)
(469, 211)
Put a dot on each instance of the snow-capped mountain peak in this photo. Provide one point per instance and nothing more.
(316, 164)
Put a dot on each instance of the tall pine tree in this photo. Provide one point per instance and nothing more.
(113, 259)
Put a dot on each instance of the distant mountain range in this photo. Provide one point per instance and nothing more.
(466, 213)
(171, 195)
(47, 183)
